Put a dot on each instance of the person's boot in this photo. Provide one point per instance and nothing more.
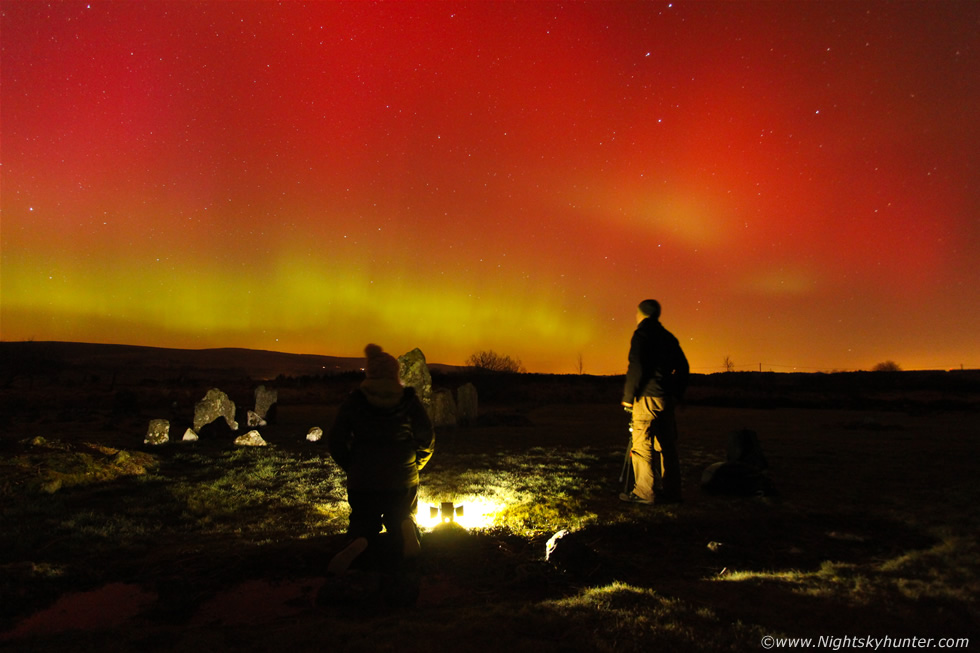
(342, 561)
(411, 547)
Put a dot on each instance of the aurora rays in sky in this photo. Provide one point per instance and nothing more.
(797, 183)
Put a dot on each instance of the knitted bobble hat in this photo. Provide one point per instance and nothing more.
(380, 365)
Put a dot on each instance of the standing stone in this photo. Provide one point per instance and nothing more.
(214, 405)
(251, 439)
(415, 374)
(315, 434)
(190, 436)
(466, 403)
(254, 419)
(443, 408)
(158, 432)
(264, 400)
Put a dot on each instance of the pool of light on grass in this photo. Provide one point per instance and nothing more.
(478, 512)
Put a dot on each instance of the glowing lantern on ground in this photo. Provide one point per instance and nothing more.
(479, 512)
(446, 512)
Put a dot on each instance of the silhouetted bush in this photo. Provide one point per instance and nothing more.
(490, 361)
(887, 366)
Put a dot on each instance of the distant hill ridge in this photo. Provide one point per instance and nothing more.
(253, 363)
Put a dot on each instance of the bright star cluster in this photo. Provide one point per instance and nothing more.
(796, 182)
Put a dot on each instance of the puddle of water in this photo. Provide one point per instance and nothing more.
(257, 600)
(114, 604)
(105, 607)
(247, 603)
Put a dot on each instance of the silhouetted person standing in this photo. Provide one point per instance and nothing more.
(655, 383)
(381, 437)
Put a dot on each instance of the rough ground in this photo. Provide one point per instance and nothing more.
(872, 533)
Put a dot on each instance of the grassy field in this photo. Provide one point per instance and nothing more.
(106, 544)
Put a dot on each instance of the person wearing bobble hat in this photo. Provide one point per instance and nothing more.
(656, 379)
(381, 438)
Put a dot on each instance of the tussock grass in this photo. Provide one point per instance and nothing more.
(47, 466)
(945, 572)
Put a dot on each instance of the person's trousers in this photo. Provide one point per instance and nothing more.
(656, 464)
(370, 509)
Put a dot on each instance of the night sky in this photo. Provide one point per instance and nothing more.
(797, 183)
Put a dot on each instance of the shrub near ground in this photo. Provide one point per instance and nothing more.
(872, 533)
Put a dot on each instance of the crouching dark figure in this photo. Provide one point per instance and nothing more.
(744, 472)
(381, 438)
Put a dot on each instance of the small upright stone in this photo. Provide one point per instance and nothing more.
(190, 436)
(466, 403)
(254, 419)
(158, 432)
(315, 434)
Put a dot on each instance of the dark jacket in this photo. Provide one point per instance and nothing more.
(381, 437)
(657, 365)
